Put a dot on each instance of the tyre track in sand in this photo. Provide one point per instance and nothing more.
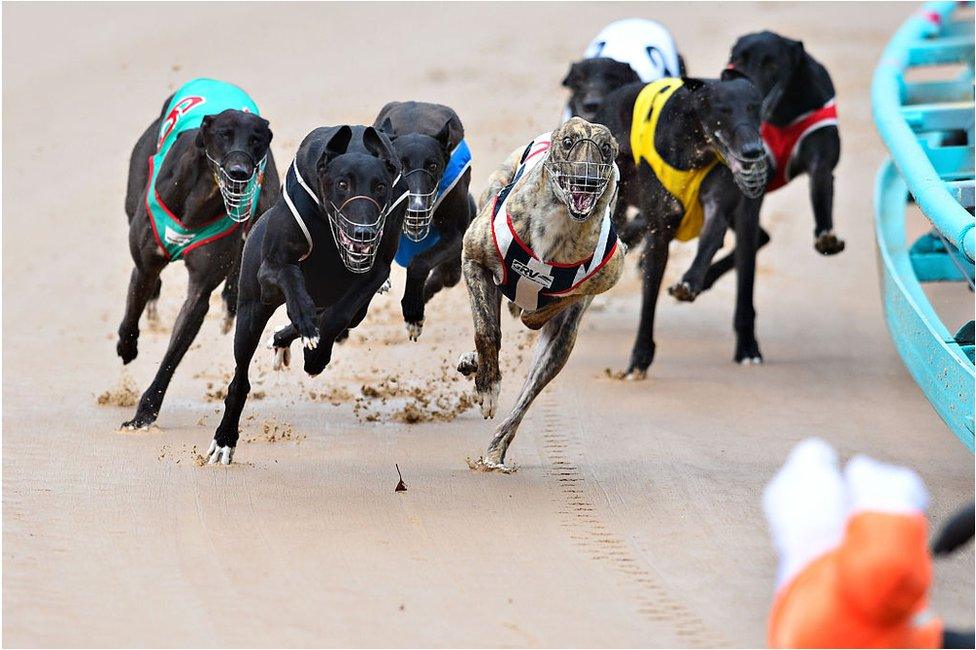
(589, 529)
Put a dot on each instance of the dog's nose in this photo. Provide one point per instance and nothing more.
(752, 149)
(238, 171)
(417, 203)
(591, 106)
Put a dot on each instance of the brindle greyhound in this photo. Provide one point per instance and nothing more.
(700, 123)
(194, 180)
(439, 207)
(323, 249)
(799, 127)
(543, 239)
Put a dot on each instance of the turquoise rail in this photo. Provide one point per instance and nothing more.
(928, 128)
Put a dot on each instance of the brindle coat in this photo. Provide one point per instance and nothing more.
(543, 222)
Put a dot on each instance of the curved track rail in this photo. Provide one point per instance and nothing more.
(928, 128)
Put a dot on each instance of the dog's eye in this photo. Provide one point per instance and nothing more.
(342, 186)
(380, 188)
(567, 143)
(432, 167)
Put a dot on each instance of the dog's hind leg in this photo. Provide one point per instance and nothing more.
(444, 276)
(203, 281)
(551, 352)
(727, 263)
(251, 319)
(142, 283)
(746, 243)
(229, 293)
(486, 303)
(152, 313)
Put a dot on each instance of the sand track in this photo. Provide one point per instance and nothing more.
(634, 518)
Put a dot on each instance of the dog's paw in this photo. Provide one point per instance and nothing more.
(747, 353)
(683, 292)
(467, 363)
(140, 421)
(414, 330)
(152, 312)
(514, 310)
(488, 399)
(828, 243)
(385, 287)
(127, 348)
(310, 342)
(280, 356)
(635, 374)
(486, 464)
(223, 455)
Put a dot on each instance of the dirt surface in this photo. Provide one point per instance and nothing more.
(634, 518)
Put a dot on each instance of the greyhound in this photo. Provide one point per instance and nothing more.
(799, 128)
(209, 162)
(323, 250)
(543, 239)
(436, 161)
(695, 164)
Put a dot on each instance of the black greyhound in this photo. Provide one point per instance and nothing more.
(799, 127)
(701, 123)
(590, 81)
(429, 141)
(323, 250)
(197, 172)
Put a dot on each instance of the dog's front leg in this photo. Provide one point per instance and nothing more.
(746, 244)
(284, 280)
(551, 353)
(718, 207)
(340, 317)
(486, 302)
(820, 152)
(418, 274)
(655, 259)
(727, 262)
(252, 316)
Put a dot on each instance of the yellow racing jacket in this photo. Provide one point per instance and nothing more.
(682, 185)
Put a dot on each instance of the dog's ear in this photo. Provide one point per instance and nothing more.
(266, 128)
(443, 136)
(202, 131)
(625, 73)
(572, 77)
(374, 143)
(797, 53)
(337, 145)
(386, 128)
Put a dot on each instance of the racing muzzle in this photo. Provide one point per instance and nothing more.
(420, 208)
(238, 193)
(749, 174)
(357, 242)
(579, 184)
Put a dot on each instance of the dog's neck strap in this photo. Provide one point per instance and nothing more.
(301, 202)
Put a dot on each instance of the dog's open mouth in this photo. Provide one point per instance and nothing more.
(581, 200)
(354, 246)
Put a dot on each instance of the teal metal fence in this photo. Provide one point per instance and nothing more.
(928, 128)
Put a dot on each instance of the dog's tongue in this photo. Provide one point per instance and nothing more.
(582, 202)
